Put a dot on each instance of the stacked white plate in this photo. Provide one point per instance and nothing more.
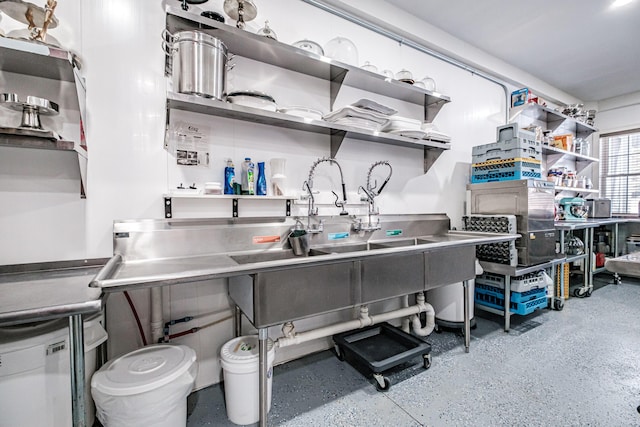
(254, 99)
(404, 126)
(304, 112)
(358, 117)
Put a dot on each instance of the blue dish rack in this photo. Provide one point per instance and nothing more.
(505, 170)
(522, 303)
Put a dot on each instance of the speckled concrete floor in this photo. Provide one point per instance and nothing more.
(577, 367)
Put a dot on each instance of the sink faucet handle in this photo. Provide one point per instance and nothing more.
(340, 204)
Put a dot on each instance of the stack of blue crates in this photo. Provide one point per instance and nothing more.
(516, 155)
(529, 292)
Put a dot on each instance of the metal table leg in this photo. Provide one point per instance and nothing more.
(507, 303)
(76, 357)
(467, 322)
(237, 321)
(263, 366)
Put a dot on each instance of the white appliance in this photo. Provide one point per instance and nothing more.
(447, 301)
(35, 384)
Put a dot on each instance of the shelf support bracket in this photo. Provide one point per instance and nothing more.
(336, 141)
(430, 157)
(167, 207)
(234, 207)
(337, 76)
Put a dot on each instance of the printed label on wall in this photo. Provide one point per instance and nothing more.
(265, 239)
(338, 236)
(190, 144)
(391, 233)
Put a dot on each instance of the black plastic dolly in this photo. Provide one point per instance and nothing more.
(378, 348)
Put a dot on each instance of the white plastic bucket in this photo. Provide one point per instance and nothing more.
(147, 387)
(240, 360)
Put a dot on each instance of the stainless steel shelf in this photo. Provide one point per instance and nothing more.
(266, 50)
(577, 190)
(557, 153)
(36, 59)
(177, 101)
(25, 138)
(553, 119)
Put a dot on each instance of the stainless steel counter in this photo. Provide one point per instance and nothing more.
(36, 292)
(626, 265)
(122, 274)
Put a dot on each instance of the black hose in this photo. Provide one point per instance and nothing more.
(135, 314)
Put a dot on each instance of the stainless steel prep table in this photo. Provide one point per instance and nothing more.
(508, 272)
(37, 292)
(589, 225)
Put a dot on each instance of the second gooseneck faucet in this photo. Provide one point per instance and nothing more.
(370, 194)
(308, 186)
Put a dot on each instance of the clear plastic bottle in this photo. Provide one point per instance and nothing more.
(248, 178)
(261, 183)
(229, 177)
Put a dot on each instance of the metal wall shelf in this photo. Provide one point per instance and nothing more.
(266, 50)
(560, 188)
(177, 101)
(35, 59)
(235, 198)
(554, 119)
(554, 154)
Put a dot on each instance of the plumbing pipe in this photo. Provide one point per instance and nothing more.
(405, 320)
(431, 318)
(156, 314)
(364, 320)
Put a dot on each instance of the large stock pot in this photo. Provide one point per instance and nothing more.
(199, 63)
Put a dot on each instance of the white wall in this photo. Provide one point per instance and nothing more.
(129, 170)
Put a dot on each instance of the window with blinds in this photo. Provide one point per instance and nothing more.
(620, 171)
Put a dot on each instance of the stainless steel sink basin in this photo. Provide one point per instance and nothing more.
(440, 239)
(398, 243)
(263, 256)
(339, 249)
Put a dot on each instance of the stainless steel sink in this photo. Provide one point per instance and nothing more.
(339, 249)
(263, 256)
(441, 238)
(397, 243)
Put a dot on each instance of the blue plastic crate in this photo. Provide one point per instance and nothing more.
(519, 170)
(521, 308)
(515, 296)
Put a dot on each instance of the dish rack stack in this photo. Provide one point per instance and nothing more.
(500, 253)
(516, 155)
(528, 292)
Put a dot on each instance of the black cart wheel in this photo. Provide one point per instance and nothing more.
(339, 354)
(638, 409)
(558, 304)
(387, 384)
(426, 361)
(589, 292)
(578, 293)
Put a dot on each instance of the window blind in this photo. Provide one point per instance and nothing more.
(620, 171)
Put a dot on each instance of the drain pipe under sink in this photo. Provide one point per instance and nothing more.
(431, 318)
(365, 319)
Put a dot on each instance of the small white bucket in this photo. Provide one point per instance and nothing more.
(240, 360)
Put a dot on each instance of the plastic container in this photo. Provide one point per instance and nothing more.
(34, 372)
(248, 178)
(239, 359)
(147, 387)
(278, 176)
(229, 177)
(261, 183)
(212, 188)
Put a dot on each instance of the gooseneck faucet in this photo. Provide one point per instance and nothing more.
(308, 186)
(370, 194)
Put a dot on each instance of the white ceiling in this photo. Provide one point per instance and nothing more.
(582, 47)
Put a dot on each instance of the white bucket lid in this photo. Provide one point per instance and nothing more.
(143, 370)
(243, 349)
